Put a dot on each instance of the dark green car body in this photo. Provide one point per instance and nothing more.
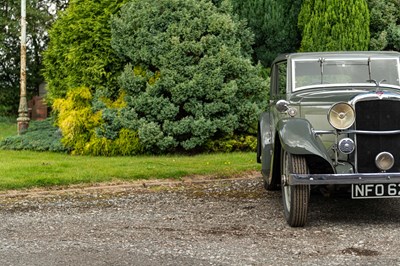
(337, 112)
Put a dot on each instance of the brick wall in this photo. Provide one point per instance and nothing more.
(37, 108)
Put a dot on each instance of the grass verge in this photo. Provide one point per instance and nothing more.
(8, 127)
(25, 169)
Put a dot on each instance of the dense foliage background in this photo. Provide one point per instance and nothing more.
(129, 77)
(189, 82)
(385, 24)
(189, 79)
(274, 23)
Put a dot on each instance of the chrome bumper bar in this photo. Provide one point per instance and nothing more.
(337, 179)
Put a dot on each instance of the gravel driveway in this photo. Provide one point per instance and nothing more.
(211, 222)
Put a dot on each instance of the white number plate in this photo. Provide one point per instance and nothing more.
(367, 191)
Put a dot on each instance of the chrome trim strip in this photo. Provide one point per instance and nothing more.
(387, 132)
(375, 95)
(336, 179)
(342, 85)
(321, 132)
(354, 131)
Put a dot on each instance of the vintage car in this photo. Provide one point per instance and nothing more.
(333, 121)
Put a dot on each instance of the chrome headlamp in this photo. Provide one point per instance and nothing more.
(341, 116)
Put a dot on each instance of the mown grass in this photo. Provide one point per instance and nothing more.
(25, 169)
(28, 169)
(8, 127)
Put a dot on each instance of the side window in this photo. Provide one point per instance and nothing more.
(278, 81)
(282, 78)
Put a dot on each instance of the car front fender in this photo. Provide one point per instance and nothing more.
(297, 137)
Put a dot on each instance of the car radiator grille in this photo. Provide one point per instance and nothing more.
(377, 115)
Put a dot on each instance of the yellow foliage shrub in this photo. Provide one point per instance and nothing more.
(78, 124)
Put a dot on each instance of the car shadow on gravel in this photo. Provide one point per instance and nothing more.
(340, 208)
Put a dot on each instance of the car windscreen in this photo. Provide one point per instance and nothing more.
(343, 71)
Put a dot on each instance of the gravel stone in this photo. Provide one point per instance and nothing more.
(196, 221)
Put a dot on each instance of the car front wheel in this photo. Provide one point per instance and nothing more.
(295, 197)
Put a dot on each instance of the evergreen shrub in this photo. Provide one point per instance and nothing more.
(232, 144)
(190, 80)
(40, 136)
(82, 128)
(79, 51)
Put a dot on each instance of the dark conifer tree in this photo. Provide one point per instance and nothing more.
(334, 25)
(385, 24)
(274, 25)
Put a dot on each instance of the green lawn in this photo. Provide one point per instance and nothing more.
(25, 169)
(8, 127)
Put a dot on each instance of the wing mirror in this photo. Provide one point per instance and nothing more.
(282, 106)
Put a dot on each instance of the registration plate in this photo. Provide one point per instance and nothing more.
(367, 191)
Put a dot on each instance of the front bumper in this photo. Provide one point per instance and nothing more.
(338, 179)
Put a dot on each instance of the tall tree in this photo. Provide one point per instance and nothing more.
(334, 25)
(79, 52)
(385, 24)
(40, 16)
(274, 23)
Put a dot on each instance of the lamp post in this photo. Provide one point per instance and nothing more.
(23, 118)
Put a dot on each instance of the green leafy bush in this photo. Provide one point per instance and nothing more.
(41, 136)
(190, 79)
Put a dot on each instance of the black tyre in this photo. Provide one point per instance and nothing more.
(295, 197)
